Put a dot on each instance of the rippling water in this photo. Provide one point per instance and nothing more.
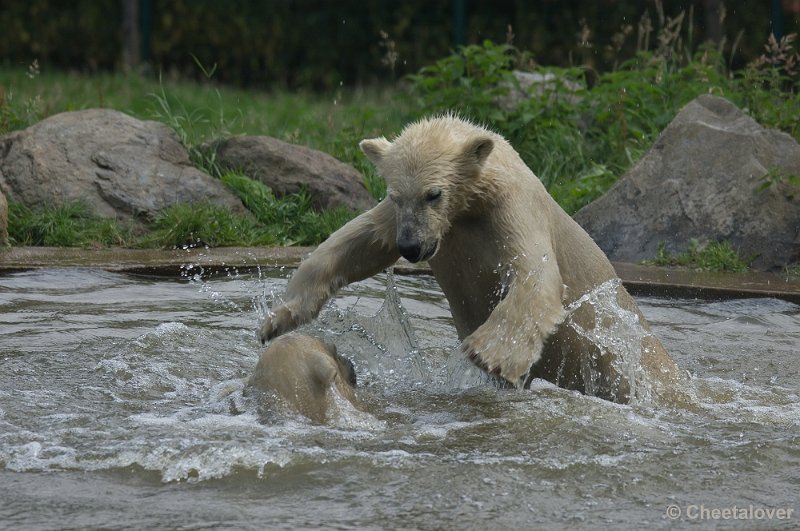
(122, 407)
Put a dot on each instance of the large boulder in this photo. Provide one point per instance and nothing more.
(122, 167)
(288, 168)
(713, 174)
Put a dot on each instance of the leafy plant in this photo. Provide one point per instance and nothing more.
(775, 177)
(469, 80)
(579, 136)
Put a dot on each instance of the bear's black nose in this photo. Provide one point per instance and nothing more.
(410, 249)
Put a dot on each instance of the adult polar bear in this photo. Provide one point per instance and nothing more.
(509, 260)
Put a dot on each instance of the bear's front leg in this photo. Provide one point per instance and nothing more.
(511, 339)
(363, 247)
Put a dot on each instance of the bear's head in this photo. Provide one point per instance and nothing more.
(431, 171)
(303, 370)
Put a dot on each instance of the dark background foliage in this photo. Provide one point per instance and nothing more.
(319, 44)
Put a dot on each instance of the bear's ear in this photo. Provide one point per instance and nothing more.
(477, 150)
(374, 148)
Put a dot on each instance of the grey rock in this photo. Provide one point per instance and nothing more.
(121, 166)
(286, 168)
(703, 179)
(529, 85)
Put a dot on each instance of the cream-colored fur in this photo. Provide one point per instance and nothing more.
(507, 257)
(305, 372)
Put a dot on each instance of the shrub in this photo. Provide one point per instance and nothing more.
(578, 138)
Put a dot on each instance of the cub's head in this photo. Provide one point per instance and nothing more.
(432, 171)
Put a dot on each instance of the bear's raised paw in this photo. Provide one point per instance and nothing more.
(277, 322)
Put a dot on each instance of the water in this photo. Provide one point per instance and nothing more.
(122, 407)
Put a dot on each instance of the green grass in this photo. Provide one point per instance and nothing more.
(332, 123)
(199, 225)
(714, 256)
(291, 220)
(67, 225)
(579, 136)
(200, 113)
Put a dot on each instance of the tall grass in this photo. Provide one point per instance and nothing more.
(333, 123)
(201, 225)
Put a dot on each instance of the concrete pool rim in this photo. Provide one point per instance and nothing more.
(643, 280)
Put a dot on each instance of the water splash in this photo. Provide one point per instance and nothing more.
(614, 330)
(386, 351)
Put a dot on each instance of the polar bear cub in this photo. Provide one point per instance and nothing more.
(305, 372)
(513, 265)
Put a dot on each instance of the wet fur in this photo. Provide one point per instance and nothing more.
(507, 257)
(305, 372)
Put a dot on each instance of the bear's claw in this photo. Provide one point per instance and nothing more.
(277, 322)
(476, 358)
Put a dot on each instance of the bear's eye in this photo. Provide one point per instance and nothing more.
(433, 194)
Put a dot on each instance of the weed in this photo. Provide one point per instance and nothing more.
(792, 272)
(15, 114)
(770, 86)
(190, 126)
(775, 177)
(714, 256)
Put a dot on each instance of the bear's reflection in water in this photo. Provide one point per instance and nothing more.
(305, 373)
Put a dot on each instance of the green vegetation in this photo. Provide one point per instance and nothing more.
(333, 123)
(579, 130)
(290, 220)
(774, 177)
(199, 225)
(68, 225)
(714, 256)
(199, 113)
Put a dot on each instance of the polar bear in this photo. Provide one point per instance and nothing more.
(515, 268)
(305, 372)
